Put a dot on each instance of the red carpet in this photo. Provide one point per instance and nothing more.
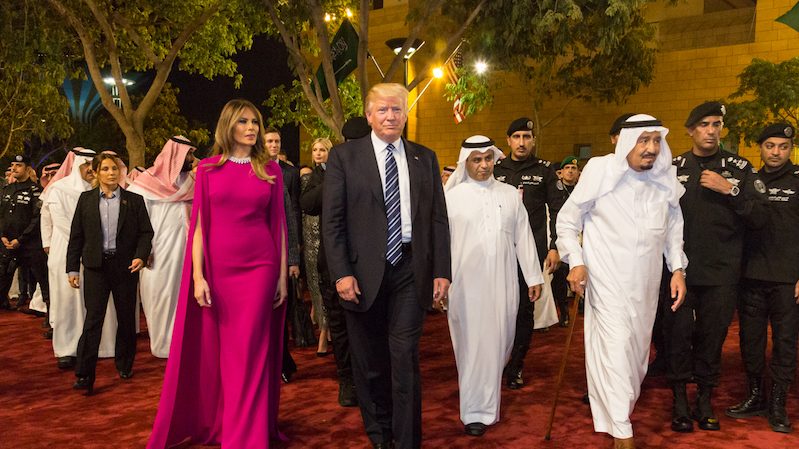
(38, 408)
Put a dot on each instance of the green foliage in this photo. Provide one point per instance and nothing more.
(32, 68)
(768, 92)
(292, 106)
(593, 50)
(474, 90)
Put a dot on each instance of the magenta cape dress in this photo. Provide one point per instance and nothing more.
(222, 381)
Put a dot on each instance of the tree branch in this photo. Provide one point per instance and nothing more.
(113, 57)
(301, 69)
(363, 48)
(91, 60)
(165, 67)
(137, 39)
(327, 62)
(452, 44)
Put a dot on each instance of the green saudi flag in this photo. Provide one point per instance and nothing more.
(791, 18)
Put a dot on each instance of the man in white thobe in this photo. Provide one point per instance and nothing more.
(168, 189)
(489, 230)
(67, 312)
(627, 208)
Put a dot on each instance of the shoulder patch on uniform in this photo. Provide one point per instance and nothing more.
(760, 186)
(546, 163)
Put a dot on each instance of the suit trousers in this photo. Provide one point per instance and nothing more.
(337, 326)
(695, 333)
(763, 302)
(384, 344)
(112, 277)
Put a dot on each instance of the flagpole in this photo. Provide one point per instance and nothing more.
(424, 89)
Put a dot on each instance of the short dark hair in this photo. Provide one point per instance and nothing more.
(271, 129)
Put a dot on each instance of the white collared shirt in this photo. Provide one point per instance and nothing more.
(404, 179)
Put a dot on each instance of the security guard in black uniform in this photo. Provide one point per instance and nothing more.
(538, 183)
(720, 201)
(771, 284)
(568, 175)
(19, 230)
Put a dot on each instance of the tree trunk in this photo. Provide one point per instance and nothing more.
(134, 144)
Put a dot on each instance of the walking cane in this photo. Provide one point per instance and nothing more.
(572, 320)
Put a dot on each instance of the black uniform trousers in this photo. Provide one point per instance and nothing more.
(524, 329)
(33, 259)
(694, 344)
(337, 326)
(113, 277)
(760, 303)
(385, 358)
(560, 290)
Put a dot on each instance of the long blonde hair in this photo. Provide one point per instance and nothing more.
(223, 138)
(325, 143)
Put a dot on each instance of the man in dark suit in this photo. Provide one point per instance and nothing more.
(386, 237)
(112, 235)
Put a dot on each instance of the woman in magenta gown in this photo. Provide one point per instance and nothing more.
(222, 381)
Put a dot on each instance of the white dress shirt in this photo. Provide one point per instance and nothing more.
(404, 180)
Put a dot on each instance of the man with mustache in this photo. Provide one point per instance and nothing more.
(627, 209)
(771, 285)
(720, 201)
(536, 181)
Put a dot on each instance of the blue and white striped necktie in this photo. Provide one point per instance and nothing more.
(393, 214)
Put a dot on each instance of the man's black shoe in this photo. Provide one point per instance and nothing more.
(126, 374)
(777, 415)
(66, 362)
(755, 403)
(516, 381)
(389, 445)
(84, 383)
(475, 429)
(48, 334)
(586, 399)
(682, 424)
(703, 414)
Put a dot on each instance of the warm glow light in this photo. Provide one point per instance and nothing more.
(110, 81)
(348, 12)
(480, 67)
(438, 72)
(327, 17)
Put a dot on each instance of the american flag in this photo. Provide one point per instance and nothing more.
(450, 72)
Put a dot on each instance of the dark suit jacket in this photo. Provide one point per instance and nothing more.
(134, 231)
(354, 224)
(291, 181)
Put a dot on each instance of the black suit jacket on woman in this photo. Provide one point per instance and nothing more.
(354, 224)
(134, 231)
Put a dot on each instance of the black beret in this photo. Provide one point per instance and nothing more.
(24, 158)
(783, 130)
(355, 128)
(520, 124)
(710, 108)
(615, 128)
